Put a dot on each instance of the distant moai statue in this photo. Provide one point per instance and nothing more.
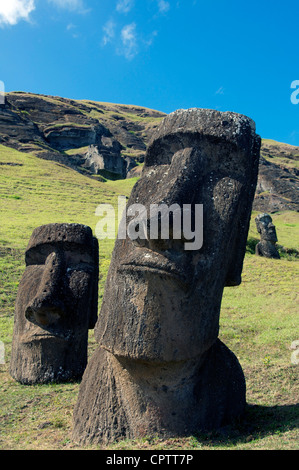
(160, 369)
(266, 247)
(56, 305)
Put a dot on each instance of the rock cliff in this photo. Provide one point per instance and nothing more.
(88, 136)
(278, 182)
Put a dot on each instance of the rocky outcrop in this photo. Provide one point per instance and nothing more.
(66, 137)
(277, 188)
(87, 136)
(278, 181)
(106, 158)
(16, 130)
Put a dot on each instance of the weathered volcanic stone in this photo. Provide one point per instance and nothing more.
(266, 247)
(56, 305)
(160, 368)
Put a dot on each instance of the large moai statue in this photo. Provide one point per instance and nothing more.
(160, 369)
(56, 305)
(266, 247)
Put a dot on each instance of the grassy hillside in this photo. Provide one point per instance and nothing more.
(280, 153)
(259, 319)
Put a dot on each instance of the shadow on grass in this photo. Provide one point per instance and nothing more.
(258, 422)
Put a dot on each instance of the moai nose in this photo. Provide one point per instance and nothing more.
(161, 232)
(46, 308)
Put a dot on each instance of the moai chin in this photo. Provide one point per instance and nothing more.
(56, 305)
(160, 369)
(266, 247)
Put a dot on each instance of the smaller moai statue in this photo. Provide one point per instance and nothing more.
(266, 247)
(56, 305)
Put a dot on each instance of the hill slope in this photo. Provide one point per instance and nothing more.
(259, 318)
(84, 135)
(109, 140)
(278, 183)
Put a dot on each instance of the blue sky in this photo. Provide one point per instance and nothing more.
(163, 54)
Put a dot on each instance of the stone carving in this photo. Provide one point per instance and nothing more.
(160, 368)
(56, 305)
(266, 247)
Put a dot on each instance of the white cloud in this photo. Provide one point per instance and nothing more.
(124, 6)
(13, 11)
(220, 91)
(150, 40)
(109, 32)
(72, 30)
(129, 40)
(163, 6)
(73, 5)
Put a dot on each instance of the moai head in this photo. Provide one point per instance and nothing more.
(56, 304)
(162, 301)
(265, 228)
(266, 247)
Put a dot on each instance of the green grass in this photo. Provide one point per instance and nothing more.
(78, 150)
(41, 192)
(287, 228)
(259, 319)
(286, 161)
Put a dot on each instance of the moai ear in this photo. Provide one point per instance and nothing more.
(238, 251)
(95, 287)
(233, 277)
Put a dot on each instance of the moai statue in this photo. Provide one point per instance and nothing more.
(266, 247)
(56, 305)
(160, 369)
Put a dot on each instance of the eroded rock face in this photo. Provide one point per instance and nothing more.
(160, 368)
(56, 305)
(266, 247)
(277, 187)
(106, 156)
(51, 126)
